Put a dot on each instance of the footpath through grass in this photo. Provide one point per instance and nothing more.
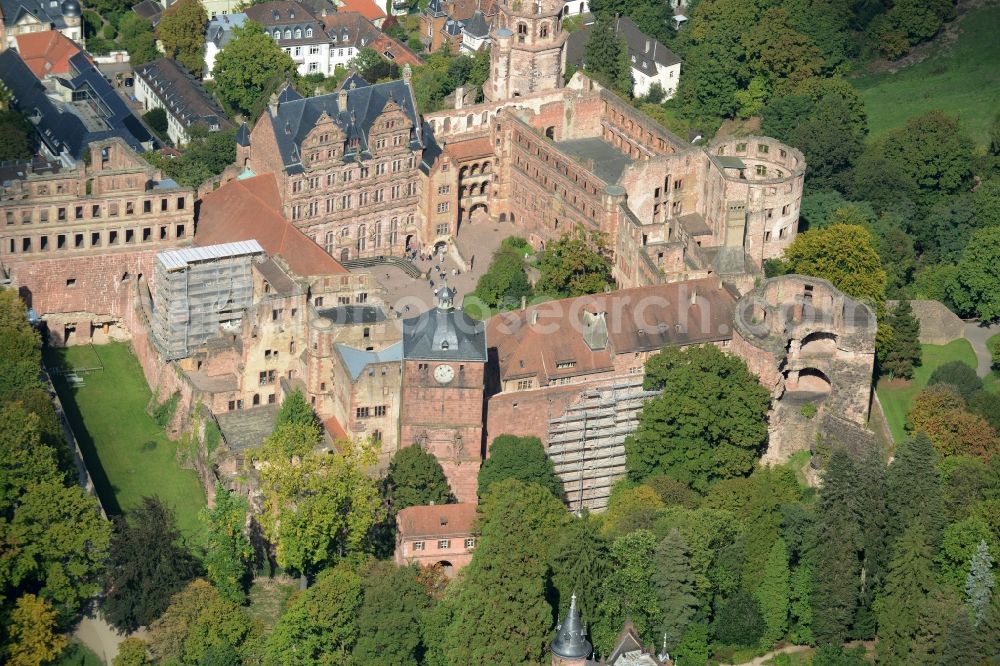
(127, 453)
(896, 396)
(963, 80)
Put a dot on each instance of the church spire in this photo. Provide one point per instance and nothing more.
(570, 641)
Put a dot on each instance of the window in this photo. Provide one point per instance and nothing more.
(418, 545)
(442, 229)
(380, 410)
(785, 209)
(444, 189)
(762, 148)
(769, 213)
(566, 364)
(314, 67)
(470, 542)
(678, 184)
(525, 384)
(70, 283)
(444, 544)
(362, 412)
(761, 170)
(443, 207)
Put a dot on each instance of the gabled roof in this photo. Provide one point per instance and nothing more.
(151, 10)
(46, 52)
(395, 50)
(347, 28)
(646, 51)
(366, 8)
(220, 29)
(436, 521)
(295, 119)
(633, 320)
(356, 360)
(251, 209)
(182, 96)
(42, 10)
(477, 26)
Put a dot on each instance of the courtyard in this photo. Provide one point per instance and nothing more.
(129, 456)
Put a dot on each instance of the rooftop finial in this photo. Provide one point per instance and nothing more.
(570, 641)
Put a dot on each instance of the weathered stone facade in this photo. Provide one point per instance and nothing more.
(808, 343)
(527, 52)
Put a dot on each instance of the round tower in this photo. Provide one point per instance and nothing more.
(527, 49)
(570, 646)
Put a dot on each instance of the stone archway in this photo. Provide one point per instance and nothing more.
(446, 568)
(479, 212)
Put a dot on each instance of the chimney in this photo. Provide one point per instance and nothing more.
(407, 73)
(342, 100)
(272, 104)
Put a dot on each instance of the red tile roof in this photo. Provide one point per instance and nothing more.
(337, 432)
(251, 209)
(439, 520)
(401, 53)
(46, 52)
(366, 8)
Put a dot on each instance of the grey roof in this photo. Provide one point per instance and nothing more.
(61, 127)
(247, 428)
(354, 314)
(182, 96)
(151, 10)
(729, 162)
(42, 10)
(478, 26)
(354, 80)
(356, 359)
(288, 93)
(453, 27)
(243, 135)
(220, 29)
(646, 50)
(598, 156)
(444, 335)
(570, 641)
(293, 120)
(174, 260)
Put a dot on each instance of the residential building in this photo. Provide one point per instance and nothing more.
(443, 21)
(220, 31)
(347, 164)
(652, 62)
(164, 84)
(348, 32)
(217, 8)
(47, 53)
(441, 535)
(20, 17)
(71, 112)
(476, 33)
(298, 32)
(371, 10)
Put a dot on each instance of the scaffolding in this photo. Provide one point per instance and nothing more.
(198, 291)
(587, 443)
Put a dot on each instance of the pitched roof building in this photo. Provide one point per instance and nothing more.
(164, 84)
(46, 52)
(439, 534)
(27, 16)
(220, 31)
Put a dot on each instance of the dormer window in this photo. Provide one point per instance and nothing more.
(444, 344)
(309, 32)
(288, 34)
(298, 33)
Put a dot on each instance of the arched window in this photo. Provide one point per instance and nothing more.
(522, 32)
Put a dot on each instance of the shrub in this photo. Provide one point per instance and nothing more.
(157, 121)
(993, 344)
(808, 410)
(959, 375)
(164, 412)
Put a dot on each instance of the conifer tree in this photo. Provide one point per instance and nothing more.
(389, 620)
(913, 489)
(979, 583)
(773, 594)
(580, 563)
(906, 591)
(628, 591)
(838, 569)
(905, 352)
(674, 584)
(872, 518)
(962, 643)
(502, 616)
(800, 604)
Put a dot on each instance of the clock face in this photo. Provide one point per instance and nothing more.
(444, 374)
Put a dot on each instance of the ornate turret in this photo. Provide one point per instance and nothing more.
(570, 646)
(527, 49)
(446, 298)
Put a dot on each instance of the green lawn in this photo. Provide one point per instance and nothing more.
(78, 654)
(128, 455)
(963, 80)
(896, 399)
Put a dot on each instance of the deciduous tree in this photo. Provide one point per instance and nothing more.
(228, 556)
(575, 265)
(250, 68)
(321, 623)
(939, 412)
(959, 375)
(182, 31)
(978, 276)
(628, 591)
(738, 621)
(521, 458)
(34, 635)
(132, 652)
(709, 423)
(20, 347)
(416, 479)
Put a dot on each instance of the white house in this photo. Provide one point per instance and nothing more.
(475, 33)
(217, 35)
(298, 33)
(163, 84)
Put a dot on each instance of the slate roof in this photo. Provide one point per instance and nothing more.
(646, 50)
(597, 156)
(220, 29)
(46, 52)
(478, 26)
(424, 334)
(182, 95)
(58, 127)
(356, 360)
(437, 521)
(149, 10)
(251, 209)
(347, 28)
(295, 119)
(347, 315)
(243, 135)
(42, 10)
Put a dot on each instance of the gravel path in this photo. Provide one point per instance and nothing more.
(978, 335)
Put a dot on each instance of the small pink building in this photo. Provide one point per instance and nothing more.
(440, 534)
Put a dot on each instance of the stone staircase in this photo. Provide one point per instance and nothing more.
(370, 262)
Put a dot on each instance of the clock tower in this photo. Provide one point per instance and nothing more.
(444, 359)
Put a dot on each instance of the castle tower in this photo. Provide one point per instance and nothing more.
(570, 646)
(444, 360)
(527, 52)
